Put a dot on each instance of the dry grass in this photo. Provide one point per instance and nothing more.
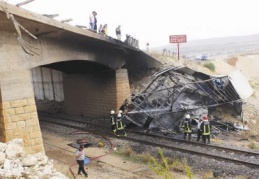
(217, 140)
(207, 175)
(144, 157)
(232, 61)
(253, 146)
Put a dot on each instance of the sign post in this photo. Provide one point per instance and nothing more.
(177, 39)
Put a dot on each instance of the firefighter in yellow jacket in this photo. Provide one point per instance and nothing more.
(187, 127)
(113, 121)
(205, 129)
(120, 127)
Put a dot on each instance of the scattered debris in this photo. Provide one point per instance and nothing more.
(15, 163)
(175, 91)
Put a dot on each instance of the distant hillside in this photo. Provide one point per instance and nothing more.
(216, 47)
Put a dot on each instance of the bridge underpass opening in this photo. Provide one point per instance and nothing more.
(79, 88)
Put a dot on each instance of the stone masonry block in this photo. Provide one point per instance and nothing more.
(9, 132)
(19, 110)
(35, 134)
(30, 101)
(32, 122)
(9, 126)
(26, 135)
(18, 103)
(20, 117)
(34, 114)
(28, 149)
(6, 119)
(31, 128)
(5, 105)
(37, 148)
(29, 143)
(29, 109)
(38, 141)
(1, 125)
(9, 112)
(20, 124)
(17, 133)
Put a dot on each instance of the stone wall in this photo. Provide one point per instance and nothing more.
(18, 113)
(90, 95)
(122, 87)
(95, 95)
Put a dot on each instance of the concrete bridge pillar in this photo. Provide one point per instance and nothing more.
(122, 87)
(18, 112)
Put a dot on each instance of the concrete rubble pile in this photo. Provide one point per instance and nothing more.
(15, 163)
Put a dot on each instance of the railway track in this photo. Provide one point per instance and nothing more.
(237, 156)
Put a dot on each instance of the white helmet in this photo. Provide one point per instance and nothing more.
(112, 111)
(187, 116)
(120, 111)
(119, 115)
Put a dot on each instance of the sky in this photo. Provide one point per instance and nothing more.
(153, 21)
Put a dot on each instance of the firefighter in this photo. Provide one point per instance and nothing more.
(205, 129)
(187, 127)
(120, 127)
(113, 121)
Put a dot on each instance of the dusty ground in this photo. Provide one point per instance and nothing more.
(110, 166)
(116, 167)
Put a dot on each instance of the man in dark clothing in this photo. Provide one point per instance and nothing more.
(187, 127)
(113, 121)
(199, 121)
(205, 129)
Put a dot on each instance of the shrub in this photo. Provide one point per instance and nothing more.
(232, 61)
(253, 146)
(160, 169)
(210, 66)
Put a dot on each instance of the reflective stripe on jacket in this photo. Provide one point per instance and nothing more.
(112, 119)
(187, 126)
(119, 124)
(205, 127)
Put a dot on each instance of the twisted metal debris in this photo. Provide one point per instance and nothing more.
(176, 91)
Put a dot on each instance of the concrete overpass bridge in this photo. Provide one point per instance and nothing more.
(42, 58)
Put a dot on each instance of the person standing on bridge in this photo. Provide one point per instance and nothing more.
(80, 157)
(205, 129)
(100, 29)
(118, 32)
(93, 21)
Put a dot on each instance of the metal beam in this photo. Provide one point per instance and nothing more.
(23, 3)
(66, 20)
(50, 15)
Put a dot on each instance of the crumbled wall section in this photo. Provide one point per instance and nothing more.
(90, 95)
(122, 87)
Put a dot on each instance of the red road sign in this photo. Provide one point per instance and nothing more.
(177, 38)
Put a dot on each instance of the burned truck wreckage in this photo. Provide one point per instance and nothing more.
(176, 91)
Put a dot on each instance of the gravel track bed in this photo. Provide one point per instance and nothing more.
(230, 170)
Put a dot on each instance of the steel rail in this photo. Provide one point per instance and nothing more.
(163, 145)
